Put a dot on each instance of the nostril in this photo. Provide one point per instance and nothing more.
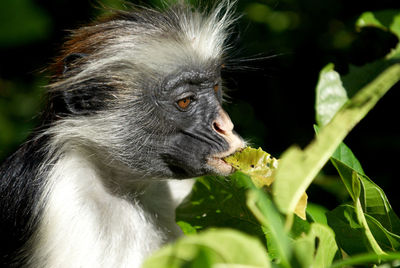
(218, 129)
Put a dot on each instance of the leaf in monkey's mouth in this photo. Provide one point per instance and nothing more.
(256, 163)
(260, 166)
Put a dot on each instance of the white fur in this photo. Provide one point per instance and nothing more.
(206, 34)
(87, 224)
(200, 38)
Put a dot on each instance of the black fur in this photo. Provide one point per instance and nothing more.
(86, 98)
(20, 189)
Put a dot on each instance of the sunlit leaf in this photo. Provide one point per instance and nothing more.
(330, 95)
(260, 166)
(210, 249)
(256, 163)
(317, 248)
(266, 212)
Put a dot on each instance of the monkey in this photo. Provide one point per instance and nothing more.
(134, 111)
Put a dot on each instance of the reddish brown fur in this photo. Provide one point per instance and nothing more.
(84, 40)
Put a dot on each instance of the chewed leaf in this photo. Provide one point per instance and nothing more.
(256, 163)
(260, 166)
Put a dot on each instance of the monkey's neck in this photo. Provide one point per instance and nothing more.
(85, 224)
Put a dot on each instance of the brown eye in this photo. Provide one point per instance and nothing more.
(216, 88)
(184, 103)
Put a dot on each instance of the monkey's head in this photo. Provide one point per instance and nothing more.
(142, 89)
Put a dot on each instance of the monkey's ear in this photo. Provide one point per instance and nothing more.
(70, 59)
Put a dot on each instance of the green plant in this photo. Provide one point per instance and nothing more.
(263, 229)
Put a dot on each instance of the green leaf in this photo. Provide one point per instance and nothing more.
(326, 246)
(187, 228)
(211, 248)
(330, 95)
(352, 181)
(367, 197)
(346, 176)
(372, 197)
(298, 168)
(350, 233)
(277, 239)
(376, 204)
(346, 156)
(300, 227)
(388, 20)
(318, 248)
(317, 213)
(358, 77)
(387, 240)
(219, 202)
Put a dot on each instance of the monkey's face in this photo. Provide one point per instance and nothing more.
(142, 90)
(192, 132)
(172, 126)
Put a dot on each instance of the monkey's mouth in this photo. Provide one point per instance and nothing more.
(219, 165)
(216, 161)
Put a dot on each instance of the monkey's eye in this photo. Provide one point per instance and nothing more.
(216, 88)
(184, 103)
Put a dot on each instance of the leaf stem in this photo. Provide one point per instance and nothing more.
(364, 259)
(361, 218)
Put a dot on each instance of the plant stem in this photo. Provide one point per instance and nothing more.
(363, 221)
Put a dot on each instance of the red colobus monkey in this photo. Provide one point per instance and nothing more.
(134, 108)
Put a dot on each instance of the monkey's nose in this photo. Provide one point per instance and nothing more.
(224, 127)
(223, 124)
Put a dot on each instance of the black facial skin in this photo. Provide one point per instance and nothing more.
(194, 139)
(190, 137)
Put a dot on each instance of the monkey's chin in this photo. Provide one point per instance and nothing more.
(219, 166)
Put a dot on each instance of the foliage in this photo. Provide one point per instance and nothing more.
(360, 232)
(365, 231)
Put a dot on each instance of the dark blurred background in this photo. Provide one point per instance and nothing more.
(280, 47)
